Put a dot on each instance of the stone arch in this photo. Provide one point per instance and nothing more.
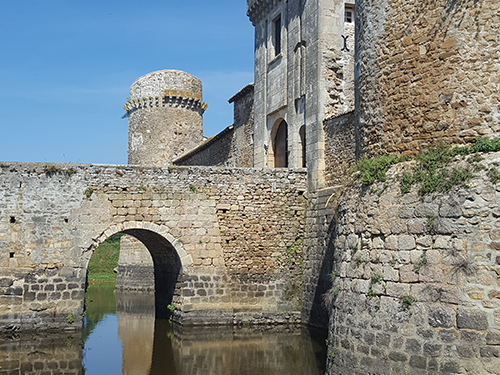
(162, 230)
(168, 255)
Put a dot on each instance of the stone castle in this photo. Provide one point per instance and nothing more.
(258, 223)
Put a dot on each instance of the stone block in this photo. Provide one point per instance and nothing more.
(442, 242)
(391, 242)
(490, 352)
(493, 338)
(389, 273)
(416, 226)
(432, 349)
(431, 274)
(398, 357)
(406, 242)
(407, 274)
(472, 319)
(441, 316)
(397, 289)
(417, 361)
(426, 210)
(413, 346)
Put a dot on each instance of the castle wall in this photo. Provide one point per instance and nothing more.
(310, 79)
(216, 151)
(415, 288)
(340, 149)
(243, 127)
(426, 72)
(233, 147)
(234, 237)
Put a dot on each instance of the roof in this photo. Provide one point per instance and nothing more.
(240, 93)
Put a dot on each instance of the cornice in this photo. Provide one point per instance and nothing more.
(258, 9)
(171, 98)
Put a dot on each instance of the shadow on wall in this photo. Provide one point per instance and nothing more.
(167, 268)
(323, 297)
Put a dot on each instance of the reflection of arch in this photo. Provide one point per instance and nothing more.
(302, 133)
(280, 145)
(167, 254)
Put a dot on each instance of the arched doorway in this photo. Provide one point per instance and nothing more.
(280, 146)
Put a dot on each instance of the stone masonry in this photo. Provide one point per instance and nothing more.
(426, 71)
(226, 244)
(165, 111)
(416, 282)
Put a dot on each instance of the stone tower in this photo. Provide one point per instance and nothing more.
(165, 111)
(426, 73)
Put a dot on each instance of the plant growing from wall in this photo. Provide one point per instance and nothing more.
(373, 169)
(407, 302)
(89, 191)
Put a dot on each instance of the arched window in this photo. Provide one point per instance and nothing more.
(281, 146)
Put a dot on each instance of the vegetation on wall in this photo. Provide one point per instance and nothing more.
(431, 171)
(105, 260)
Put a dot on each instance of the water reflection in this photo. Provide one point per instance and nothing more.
(153, 346)
(47, 353)
(121, 336)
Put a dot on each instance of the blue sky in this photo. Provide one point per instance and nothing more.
(66, 67)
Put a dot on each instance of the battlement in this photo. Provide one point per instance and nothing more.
(172, 98)
(257, 9)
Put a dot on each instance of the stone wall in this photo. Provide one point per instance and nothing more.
(338, 66)
(226, 244)
(318, 257)
(135, 269)
(216, 151)
(232, 147)
(416, 280)
(340, 148)
(426, 71)
(243, 126)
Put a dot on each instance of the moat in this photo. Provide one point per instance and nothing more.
(121, 336)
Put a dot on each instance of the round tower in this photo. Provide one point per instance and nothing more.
(165, 111)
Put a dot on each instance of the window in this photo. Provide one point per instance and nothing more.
(277, 35)
(349, 14)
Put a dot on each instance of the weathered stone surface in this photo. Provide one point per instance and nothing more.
(183, 233)
(468, 319)
(441, 316)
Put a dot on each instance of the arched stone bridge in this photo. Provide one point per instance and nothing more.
(225, 244)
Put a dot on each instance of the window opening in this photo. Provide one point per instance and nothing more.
(277, 36)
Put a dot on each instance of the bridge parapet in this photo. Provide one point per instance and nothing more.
(236, 233)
